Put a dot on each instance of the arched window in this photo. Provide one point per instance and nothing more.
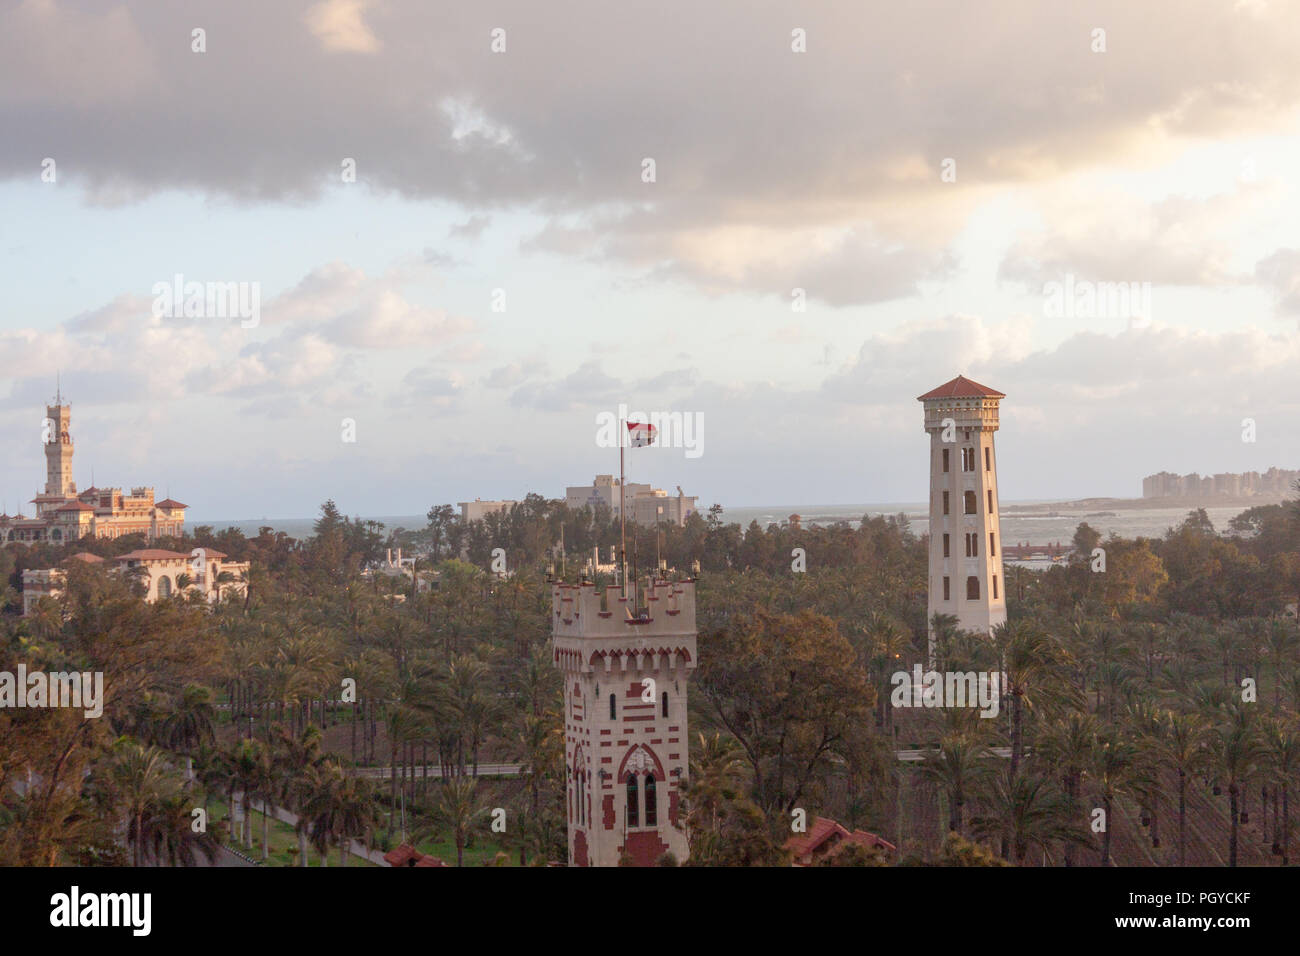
(613, 707)
(164, 586)
(633, 819)
(582, 796)
(651, 811)
(971, 503)
(972, 588)
(663, 696)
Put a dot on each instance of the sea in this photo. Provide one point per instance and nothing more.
(1051, 525)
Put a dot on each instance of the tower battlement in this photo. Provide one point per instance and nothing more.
(965, 413)
(582, 611)
(969, 405)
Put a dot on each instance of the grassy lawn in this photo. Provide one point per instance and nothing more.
(284, 842)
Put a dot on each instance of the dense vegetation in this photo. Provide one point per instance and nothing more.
(1161, 692)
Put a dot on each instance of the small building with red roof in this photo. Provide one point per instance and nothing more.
(826, 837)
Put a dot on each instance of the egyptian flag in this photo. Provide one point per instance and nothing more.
(639, 435)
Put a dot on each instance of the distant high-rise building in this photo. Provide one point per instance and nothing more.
(645, 505)
(478, 509)
(965, 535)
(1275, 481)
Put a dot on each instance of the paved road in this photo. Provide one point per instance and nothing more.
(514, 769)
(915, 756)
(434, 773)
(355, 847)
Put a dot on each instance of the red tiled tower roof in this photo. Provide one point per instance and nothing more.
(961, 387)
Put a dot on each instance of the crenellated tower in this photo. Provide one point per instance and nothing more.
(626, 663)
(966, 579)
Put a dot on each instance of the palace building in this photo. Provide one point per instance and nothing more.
(64, 514)
(966, 579)
(626, 663)
(156, 574)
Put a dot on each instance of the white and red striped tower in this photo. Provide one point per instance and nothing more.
(626, 663)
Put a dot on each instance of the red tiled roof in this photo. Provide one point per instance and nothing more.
(802, 844)
(407, 855)
(402, 855)
(214, 553)
(87, 557)
(150, 554)
(75, 506)
(169, 503)
(822, 829)
(961, 387)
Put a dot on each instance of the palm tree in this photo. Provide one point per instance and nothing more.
(403, 725)
(137, 774)
(1234, 746)
(1182, 747)
(1281, 753)
(1069, 744)
(1027, 655)
(297, 758)
(457, 809)
(354, 816)
(539, 746)
(1280, 642)
(169, 834)
(245, 769)
(1112, 769)
(717, 777)
(267, 782)
(322, 785)
(189, 724)
(1025, 813)
(956, 767)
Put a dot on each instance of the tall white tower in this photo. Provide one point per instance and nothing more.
(966, 577)
(625, 732)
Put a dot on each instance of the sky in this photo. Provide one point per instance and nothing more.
(848, 204)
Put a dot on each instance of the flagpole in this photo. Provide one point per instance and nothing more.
(622, 508)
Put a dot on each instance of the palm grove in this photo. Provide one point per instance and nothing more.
(327, 710)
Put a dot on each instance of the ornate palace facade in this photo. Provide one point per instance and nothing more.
(64, 514)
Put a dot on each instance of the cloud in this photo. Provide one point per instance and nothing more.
(1280, 273)
(339, 26)
(514, 374)
(472, 228)
(1107, 235)
(774, 169)
(586, 386)
(389, 321)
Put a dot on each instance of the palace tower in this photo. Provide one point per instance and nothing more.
(626, 663)
(966, 579)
